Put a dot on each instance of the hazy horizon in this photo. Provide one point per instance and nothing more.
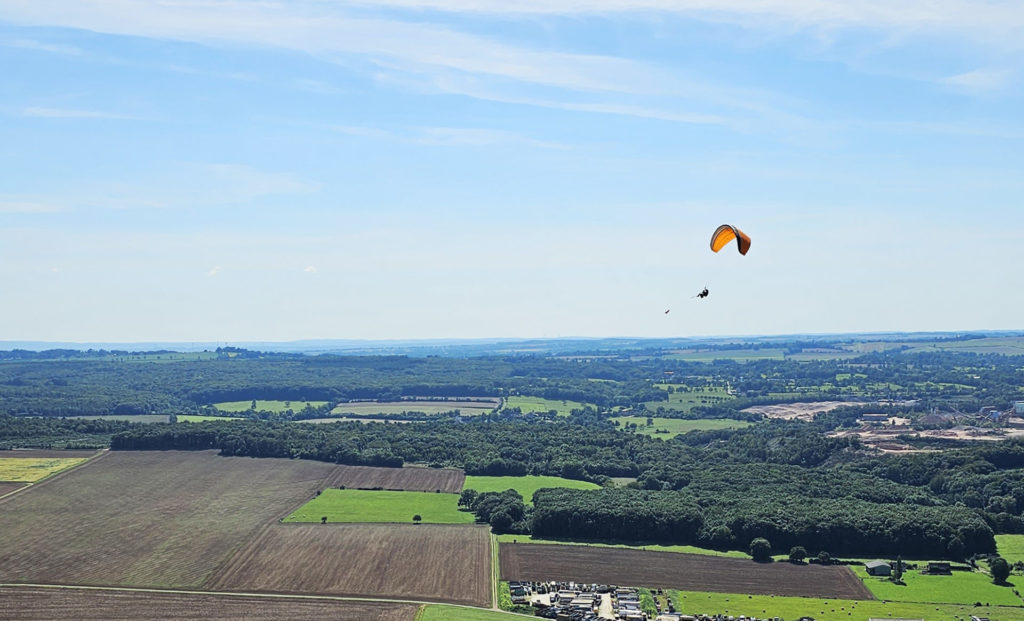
(436, 169)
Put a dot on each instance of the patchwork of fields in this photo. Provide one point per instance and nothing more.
(45, 604)
(424, 562)
(194, 520)
(673, 570)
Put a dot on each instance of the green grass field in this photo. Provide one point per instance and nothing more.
(32, 469)
(683, 398)
(1010, 547)
(354, 505)
(442, 612)
(700, 602)
(650, 547)
(962, 587)
(524, 485)
(268, 406)
(194, 418)
(671, 427)
(537, 404)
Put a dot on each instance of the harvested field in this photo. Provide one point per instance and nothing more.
(147, 518)
(7, 488)
(689, 572)
(425, 562)
(43, 604)
(404, 479)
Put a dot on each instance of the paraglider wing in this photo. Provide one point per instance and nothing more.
(725, 234)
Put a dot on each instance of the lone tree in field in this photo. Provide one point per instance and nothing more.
(797, 554)
(1000, 569)
(417, 518)
(323, 520)
(761, 550)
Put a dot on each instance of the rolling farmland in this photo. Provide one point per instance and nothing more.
(674, 570)
(43, 604)
(407, 479)
(162, 519)
(365, 560)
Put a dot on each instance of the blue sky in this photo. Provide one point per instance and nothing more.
(196, 170)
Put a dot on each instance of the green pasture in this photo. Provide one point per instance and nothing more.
(356, 505)
(444, 612)
(32, 469)
(266, 406)
(1010, 547)
(671, 427)
(701, 602)
(649, 547)
(683, 398)
(961, 587)
(538, 404)
(526, 486)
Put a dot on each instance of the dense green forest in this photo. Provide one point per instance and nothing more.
(791, 482)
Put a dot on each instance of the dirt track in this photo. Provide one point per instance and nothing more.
(406, 479)
(689, 572)
(423, 562)
(45, 604)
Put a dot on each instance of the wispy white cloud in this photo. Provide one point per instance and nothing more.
(980, 80)
(70, 113)
(449, 136)
(29, 207)
(41, 46)
(959, 17)
(213, 271)
(409, 53)
(309, 269)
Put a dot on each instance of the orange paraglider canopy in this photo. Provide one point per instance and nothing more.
(725, 234)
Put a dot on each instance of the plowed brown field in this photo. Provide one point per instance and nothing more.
(153, 518)
(406, 479)
(424, 562)
(690, 572)
(6, 488)
(32, 603)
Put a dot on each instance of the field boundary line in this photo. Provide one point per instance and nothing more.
(495, 571)
(301, 596)
(53, 477)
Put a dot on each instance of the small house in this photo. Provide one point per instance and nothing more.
(878, 568)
